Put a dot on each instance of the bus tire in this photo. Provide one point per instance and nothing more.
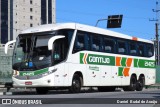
(76, 84)
(132, 86)
(106, 89)
(140, 84)
(42, 90)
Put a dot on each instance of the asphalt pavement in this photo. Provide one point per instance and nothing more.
(87, 98)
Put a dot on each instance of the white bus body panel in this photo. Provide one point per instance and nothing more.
(102, 75)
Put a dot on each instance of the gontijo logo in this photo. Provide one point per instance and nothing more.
(96, 59)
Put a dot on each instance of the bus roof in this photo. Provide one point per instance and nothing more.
(82, 27)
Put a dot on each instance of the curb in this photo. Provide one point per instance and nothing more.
(6, 93)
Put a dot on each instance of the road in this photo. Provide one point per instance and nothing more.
(65, 99)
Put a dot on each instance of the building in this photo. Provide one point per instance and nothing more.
(17, 15)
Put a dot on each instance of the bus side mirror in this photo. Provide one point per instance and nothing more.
(7, 44)
(51, 41)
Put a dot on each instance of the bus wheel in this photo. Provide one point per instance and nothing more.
(140, 84)
(42, 90)
(106, 89)
(132, 86)
(76, 84)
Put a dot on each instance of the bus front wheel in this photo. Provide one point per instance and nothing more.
(76, 84)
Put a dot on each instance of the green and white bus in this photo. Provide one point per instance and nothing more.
(71, 55)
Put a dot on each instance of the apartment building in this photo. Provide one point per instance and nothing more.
(17, 15)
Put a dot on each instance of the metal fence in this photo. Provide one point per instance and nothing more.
(5, 65)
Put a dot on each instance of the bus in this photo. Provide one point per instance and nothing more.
(72, 56)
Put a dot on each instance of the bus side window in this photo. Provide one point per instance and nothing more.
(132, 48)
(96, 43)
(79, 44)
(150, 50)
(109, 45)
(122, 47)
(141, 50)
(87, 42)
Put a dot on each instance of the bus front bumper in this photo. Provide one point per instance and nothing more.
(46, 81)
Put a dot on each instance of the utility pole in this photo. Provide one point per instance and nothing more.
(156, 34)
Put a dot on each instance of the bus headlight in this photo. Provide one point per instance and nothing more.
(15, 72)
(49, 72)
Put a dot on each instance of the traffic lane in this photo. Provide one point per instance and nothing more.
(64, 94)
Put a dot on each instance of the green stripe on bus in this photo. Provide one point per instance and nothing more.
(120, 71)
(146, 63)
(111, 60)
(32, 73)
(123, 61)
(135, 62)
(81, 58)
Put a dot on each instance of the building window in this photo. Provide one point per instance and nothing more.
(4, 29)
(49, 11)
(31, 25)
(31, 17)
(31, 2)
(31, 9)
(43, 12)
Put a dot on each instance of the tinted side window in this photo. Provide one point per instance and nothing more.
(121, 47)
(68, 33)
(132, 48)
(150, 50)
(96, 43)
(141, 50)
(109, 45)
(79, 42)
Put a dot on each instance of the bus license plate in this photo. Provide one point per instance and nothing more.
(28, 83)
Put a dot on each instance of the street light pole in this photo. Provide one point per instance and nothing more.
(156, 34)
(157, 44)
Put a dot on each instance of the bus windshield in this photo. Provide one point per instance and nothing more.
(31, 51)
